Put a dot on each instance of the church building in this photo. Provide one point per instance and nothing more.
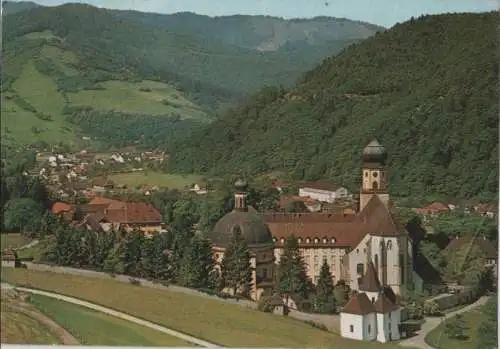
(350, 243)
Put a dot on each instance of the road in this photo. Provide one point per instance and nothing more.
(120, 315)
(431, 323)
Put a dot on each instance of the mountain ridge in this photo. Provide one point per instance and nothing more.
(425, 88)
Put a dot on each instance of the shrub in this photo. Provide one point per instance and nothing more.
(263, 305)
(145, 89)
(134, 281)
(315, 324)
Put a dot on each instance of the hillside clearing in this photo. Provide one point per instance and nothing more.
(207, 319)
(146, 97)
(171, 181)
(95, 328)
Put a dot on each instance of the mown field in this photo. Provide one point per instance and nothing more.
(215, 321)
(94, 328)
(17, 328)
(172, 181)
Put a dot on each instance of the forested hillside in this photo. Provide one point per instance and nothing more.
(61, 61)
(427, 89)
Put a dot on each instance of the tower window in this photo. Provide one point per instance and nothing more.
(375, 174)
(375, 185)
(366, 173)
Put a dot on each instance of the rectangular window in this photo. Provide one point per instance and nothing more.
(264, 273)
(360, 268)
(351, 328)
(369, 328)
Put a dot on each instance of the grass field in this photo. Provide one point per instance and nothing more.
(438, 339)
(173, 181)
(128, 97)
(95, 328)
(215, 321)
(13, 240)
(18, 328)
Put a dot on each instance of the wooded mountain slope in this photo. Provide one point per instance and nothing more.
(427, 89)
(128, 71)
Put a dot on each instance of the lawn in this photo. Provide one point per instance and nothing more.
(222, 323)
(438, 339)
(172, 181)
(94, 328)
(17, 328)
(13, 240)
(146, 97)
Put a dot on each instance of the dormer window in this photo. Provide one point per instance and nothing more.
(308, 240)
(324, 240)
(274, 239)
(299, 240)
(333, 240)
(316, 240)
(282, 240)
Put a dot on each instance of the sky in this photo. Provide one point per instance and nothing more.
(381, 12)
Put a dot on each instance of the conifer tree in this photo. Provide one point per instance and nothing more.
(291, 274)
(324, 300)
(197, 263)
(236, 270)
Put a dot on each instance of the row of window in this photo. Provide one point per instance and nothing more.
(308, 240)
(351, 327)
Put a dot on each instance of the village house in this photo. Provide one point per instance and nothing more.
(432, 210)
(112, 215)
(488, 210)
(324, 192)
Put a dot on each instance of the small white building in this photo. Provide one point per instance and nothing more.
(371, 314)
(323, 192)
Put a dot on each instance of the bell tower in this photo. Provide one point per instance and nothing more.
(374, 174)
(240, 196)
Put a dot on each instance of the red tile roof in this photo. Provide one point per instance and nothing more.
(112, 204)
(346, 230)
(359, 304)
(485, 208)
(135, 213)
(60, 207)
(319, 186)
(435, 207)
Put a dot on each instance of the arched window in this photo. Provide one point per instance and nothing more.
(366, 173)
(299, 240)
(333, 240)
(308, 240)
(389, 245)
(375, 185)
(324, 240)
(282, 240)
(316, 240)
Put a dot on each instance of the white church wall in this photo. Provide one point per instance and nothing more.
(351, 326)
(370, 327)
(383, 323)
(395, 321)
(357, 256)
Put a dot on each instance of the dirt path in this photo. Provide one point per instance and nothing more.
(64, 336)
(121, 315)
(431, 323)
